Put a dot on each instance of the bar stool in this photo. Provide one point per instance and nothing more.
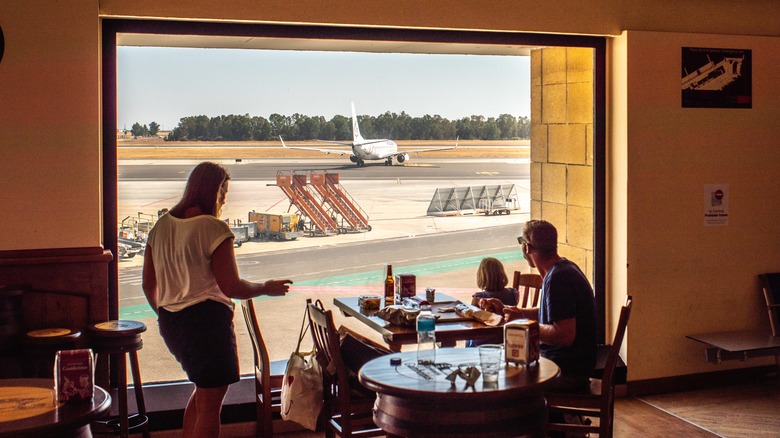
(116, 339)
(42, 345)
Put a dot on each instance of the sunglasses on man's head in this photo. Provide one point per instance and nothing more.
(521, 240)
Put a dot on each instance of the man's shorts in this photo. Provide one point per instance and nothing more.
(203, 340)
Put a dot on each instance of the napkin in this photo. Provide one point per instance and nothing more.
(398, 315)
(472, 312)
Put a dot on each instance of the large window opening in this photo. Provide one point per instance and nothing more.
(441, 102)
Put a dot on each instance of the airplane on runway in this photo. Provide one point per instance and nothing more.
(369, 149)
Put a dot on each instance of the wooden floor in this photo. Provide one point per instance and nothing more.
(742, 411)
(633, 418)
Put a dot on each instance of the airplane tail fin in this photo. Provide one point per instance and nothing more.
(280, 138)
(356, 137)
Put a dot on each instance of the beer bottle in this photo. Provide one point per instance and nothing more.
(389, 287)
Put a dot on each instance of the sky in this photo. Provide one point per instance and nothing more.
(163, 85)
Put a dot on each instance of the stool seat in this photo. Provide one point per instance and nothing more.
(42, 345)
(116, 336)
(49, 336)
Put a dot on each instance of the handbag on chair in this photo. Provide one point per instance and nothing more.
(302, 386)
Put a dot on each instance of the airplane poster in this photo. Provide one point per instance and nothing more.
(716, 78)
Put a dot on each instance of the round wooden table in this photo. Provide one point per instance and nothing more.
(28, 409)
(419, 401)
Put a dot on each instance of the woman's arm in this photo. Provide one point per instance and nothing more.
(223, 262)
(149, 279)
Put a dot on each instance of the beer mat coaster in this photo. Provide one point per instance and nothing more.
(444, 314)
(20, 402)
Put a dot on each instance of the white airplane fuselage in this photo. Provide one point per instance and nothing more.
(374, 151)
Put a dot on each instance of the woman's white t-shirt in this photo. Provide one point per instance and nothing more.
(181, 251)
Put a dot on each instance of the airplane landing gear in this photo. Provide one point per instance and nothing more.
(360, 162)
(389, 162)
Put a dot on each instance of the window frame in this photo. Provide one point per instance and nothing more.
(112, 27)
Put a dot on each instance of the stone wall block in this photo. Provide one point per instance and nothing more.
(579, 221)
(536, 175)
(579, 186)
(554, 103)
(555, 214)
(567, 144)
(579, 64)
(539, 143)
(579, 102)
(554, 66)
(554, 183)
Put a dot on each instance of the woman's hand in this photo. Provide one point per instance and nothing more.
(276, 287)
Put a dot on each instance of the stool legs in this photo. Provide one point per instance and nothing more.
(124, 419)
(139, 391)
(124, 424)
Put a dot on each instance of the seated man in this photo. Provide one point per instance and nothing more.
(566, 314)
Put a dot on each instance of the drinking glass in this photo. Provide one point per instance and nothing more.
(490, 361)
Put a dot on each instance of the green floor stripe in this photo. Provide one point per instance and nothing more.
(141, 311)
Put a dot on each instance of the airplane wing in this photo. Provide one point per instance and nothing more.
(417, 151)
(326, 151)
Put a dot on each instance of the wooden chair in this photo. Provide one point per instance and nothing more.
(770, 283)
(529, 286)
(268, 376)
(347, 410)
(587, 405)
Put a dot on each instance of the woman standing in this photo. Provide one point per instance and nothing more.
(189, 278)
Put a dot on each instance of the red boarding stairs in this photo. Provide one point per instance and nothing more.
(295, 187)
(334, 194)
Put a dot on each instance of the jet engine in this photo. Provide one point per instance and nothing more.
(403, 157)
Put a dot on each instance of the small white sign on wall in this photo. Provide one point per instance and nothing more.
(716, 204)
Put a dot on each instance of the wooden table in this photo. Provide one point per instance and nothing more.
(27, 409)
(450, 328)
(411, 404)
(740, 345)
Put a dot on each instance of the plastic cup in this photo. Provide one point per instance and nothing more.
(490, 361)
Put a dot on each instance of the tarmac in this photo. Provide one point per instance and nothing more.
(395, 212)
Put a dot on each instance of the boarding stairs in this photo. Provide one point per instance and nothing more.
(295, 187)
(333, 194)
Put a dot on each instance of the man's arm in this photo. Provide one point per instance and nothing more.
(560, 333)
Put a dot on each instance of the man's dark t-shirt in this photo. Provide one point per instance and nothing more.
(567, 294)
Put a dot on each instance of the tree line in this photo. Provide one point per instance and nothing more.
(139, 130)
(388, 125)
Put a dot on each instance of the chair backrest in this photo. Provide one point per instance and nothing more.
(529, 286)
(770, 283)
(326, 339)
(617, 342)
(262, 360)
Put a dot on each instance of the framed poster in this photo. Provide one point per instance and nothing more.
(716, 78)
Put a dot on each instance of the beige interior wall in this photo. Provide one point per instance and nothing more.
(594, 17)
(50, 125)
(616, 276)
(686, 277)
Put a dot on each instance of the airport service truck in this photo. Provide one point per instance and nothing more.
(276, 226)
